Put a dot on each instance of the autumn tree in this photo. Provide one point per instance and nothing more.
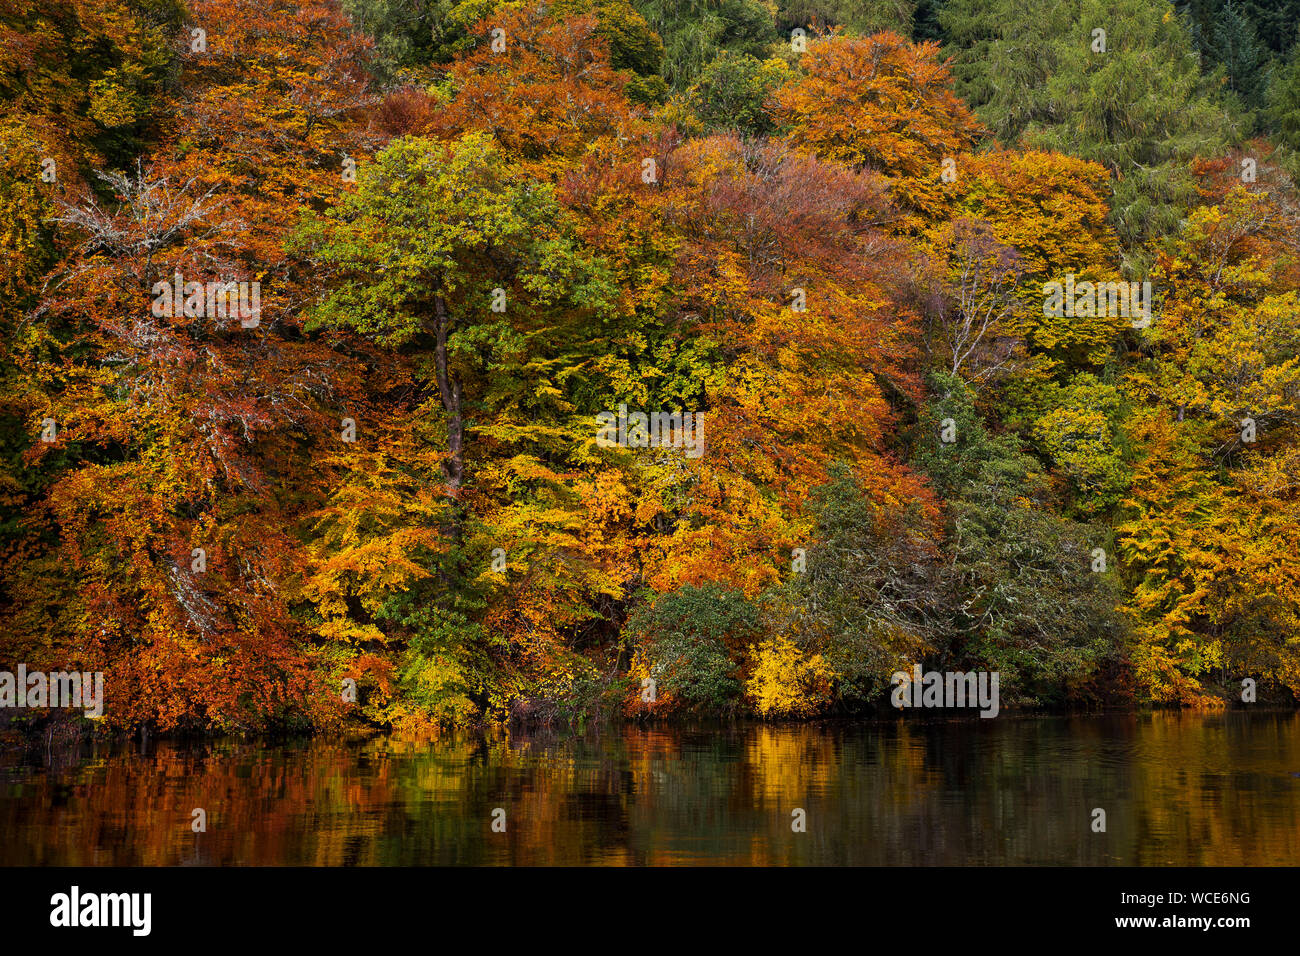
(1206, 526)
(882, 103)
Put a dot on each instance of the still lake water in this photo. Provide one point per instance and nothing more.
(1184, 789)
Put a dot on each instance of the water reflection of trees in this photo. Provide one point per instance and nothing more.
(1186, 789)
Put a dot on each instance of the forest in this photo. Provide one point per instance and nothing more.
(424, 363)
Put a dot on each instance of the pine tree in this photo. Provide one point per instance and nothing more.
(1113, 81)
(1275, 22)
(1283, 110)
(1243, 57)
(925, 21)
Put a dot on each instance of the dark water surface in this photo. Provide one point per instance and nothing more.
(1185, 789)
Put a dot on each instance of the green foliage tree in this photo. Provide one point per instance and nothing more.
(870, 600)
(409, 32)
(1023, 587)
(732, 92)
(926, 22)
(1244, 59)
(1274, 22)
(420, 249)
(690, 637)
(694, 32)
(1138, 105)
(1282, 108)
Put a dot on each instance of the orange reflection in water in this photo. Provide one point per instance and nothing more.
(1182, 789)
